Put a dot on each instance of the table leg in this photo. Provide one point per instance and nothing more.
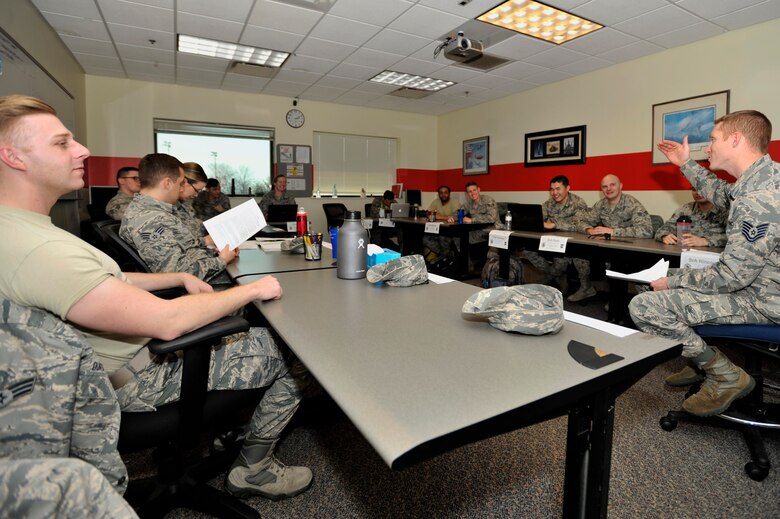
(588, 456)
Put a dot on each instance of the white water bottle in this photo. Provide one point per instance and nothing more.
(508, 221)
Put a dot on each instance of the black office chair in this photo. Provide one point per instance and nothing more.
(122, 252)
(752, 413)
(334, 214)
(367, 210)
(175, 428)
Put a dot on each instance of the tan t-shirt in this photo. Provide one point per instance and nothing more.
(46, 267)
(450, 209)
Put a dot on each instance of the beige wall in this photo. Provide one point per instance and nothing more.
(120, 114)
(24, 24)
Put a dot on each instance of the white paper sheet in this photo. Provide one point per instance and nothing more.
(439, 280)
(658, 270)
(236, 225)
(590, 322)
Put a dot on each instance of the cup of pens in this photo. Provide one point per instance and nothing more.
(312, 246)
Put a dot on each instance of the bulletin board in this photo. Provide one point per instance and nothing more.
(294, 162)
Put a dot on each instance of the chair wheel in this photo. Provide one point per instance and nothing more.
(668, 424)
(755, 472)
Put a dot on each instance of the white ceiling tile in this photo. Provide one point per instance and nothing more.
(139, 36)
(270, 39)
(201, 62)
(389, 102)
(147, 53)
(166, 4)
(197, 81)
(334, 28)
(519, 47)
(78, 8)
(416, 66)
(714, 8)
(234, 10)
(396, 42)
(426, 22)
(372, 87)
(75, 26)
(456, 74)
(244, 83)
(135, 67)
(603, 40)
(750, 15)
(647, 25)
(349, 70)
(588, 64)
(322, 93)
(103, 62)
(204, 27)
(610, 12)
(309, 64)
(687, 35)
(632, 51)
(470, 10)
(199, 74)
(339, 82)
(284, 88)
(555, 57)
(297, 76)
(373, 58)
(548, 76)
(287, 18)
(488, 81)
(88, 46)
(325, 49)
(519, 70)
(136, 15)
(377, 12)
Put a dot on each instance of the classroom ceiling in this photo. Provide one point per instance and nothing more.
(337, 46)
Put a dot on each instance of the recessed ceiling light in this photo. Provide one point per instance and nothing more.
(530, 17)
(402, 79)
(231, 51)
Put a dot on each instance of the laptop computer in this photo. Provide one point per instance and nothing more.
(399, 210)
(282, 213)
(526, 217)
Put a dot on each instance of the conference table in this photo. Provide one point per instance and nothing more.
(444, 380)
(623, 254)
(258, 261)
(413, 230)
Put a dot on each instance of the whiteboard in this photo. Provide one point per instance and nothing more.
(21, 74)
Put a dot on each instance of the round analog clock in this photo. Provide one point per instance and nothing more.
(295, 118)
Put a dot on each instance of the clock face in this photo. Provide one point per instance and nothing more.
(295, 118)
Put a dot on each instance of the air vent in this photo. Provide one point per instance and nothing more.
(484, 63)
(249, 69)
(410, 93)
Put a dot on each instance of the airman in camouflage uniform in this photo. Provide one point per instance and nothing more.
(480, 209)
(382, 202)
(618, 213)
(57, 487)
(211, 202)
(743, 286)
(277, 195)
(128, 181)
(708, 224)
(563, 211)
(55, 399)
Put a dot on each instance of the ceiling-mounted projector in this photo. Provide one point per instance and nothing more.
(463, 49)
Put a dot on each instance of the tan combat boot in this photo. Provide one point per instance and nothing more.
(685, 377)
(257, 472)
(724, 383)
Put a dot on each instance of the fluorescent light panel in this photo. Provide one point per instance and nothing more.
(231, 51)
(539, 20)
(411, 81)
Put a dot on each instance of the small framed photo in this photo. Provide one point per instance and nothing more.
(692, 116)
(476, 160)
(555, 147)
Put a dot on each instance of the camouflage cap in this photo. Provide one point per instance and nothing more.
(400, 272)
(293, 245)
(528, 309)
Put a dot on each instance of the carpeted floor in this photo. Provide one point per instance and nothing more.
(693, 471)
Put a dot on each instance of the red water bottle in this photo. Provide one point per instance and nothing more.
(301, 222)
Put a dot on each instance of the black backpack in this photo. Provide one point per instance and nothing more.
(491, 277)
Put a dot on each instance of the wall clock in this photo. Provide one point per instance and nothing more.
(295, 118)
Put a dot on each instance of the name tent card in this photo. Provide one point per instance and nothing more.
(432, 227)
(367, 224)
(499, 239)
(386, 222)
(553, 243)
(292, 226)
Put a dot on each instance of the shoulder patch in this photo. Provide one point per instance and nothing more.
(754, 232)
(153, 235)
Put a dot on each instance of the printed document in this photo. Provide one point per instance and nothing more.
(658, 270)
(236, 225)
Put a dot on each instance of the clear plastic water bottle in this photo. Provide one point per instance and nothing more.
(683, 228)
(352, 241)
(508, 221)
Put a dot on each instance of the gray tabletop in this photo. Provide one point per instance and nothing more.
(256, 261)
(408, 368)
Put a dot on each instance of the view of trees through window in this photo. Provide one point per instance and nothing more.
(242, 164)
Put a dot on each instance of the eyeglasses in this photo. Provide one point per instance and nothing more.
(132, 178)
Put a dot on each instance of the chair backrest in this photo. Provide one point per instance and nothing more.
(334, 214)
(122, 252)
(657, 222)
(367, 209)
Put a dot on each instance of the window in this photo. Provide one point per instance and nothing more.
(240, 157)
(353, 162)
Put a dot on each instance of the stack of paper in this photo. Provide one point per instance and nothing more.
(270, 244)
(658, 270)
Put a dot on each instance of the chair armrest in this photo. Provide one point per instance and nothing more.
(220, 328)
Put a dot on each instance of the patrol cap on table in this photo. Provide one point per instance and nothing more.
(528, 309)
(400, 272)
(293, 246)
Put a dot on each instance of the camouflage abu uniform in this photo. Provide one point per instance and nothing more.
(743, 286)
(58, 487)
(270, 199)
(710, 225)
(156, 231)
(204, 205)
(628, 218)
(55, 399)
(116, 207)
(377, 204)
(193, 223)
(486, 211)
(566, 217)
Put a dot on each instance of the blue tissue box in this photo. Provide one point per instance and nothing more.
(387, 255)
